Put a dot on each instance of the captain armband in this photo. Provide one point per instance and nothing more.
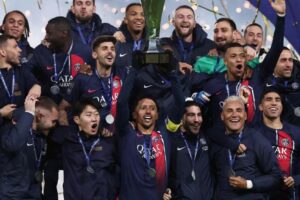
(171, 126)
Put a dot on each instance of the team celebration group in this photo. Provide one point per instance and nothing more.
(219, 121)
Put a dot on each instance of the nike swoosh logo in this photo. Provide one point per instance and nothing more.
(269, 85)
(50, 67)
(180, 148)
(122, 55)
(91, 91)
(28, 144)
(147, 86)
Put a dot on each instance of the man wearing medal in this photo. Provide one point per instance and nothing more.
(286, 80)
(55, 66)
(144, 145)
(87, 24)
(103, 85)
(251, 174)
(89, 160)
(191, 175)
(15, 81)
(23, 148)
(285, 140)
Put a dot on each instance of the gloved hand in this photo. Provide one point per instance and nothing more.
(201, 97)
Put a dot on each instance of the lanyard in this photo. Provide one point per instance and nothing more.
(183, 52)
(106, 89)
(193, 159)
(237, 87)
(89, 38)
(147, 151)
(13, 82)
(87, 155)
(230, 157)
(67, 59)
(136, 45)
(38, 158)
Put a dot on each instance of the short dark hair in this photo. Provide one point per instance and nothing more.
(4, 38)
(103, 38)
(190, 103)
(140, 97)
(131, 5)
(186, 7)
(61, 23)
(229, 21)
(269, 90)
(47, 103)
(26, 25)
(80, 105)
(232, 45)
(252, 24)
(75, 0)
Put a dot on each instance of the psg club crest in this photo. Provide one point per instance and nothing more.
(285, 142)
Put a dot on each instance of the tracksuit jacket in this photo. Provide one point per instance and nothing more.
(257, 163)
(90, 30)
(286, 146)
(24, 80)
(42, 66)
(217, 88)
(79, 184)
(18, 161)
(188, 52)
(180, 180)
(136, 183)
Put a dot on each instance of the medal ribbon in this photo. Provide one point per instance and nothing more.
(43, 151)
(184, 52)
(67, 59)
(193, 158)
(89, 38)
(230, 157)
(87, 155)
(137, 45)
(106, 89)
(13, 82)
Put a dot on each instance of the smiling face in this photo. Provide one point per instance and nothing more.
(284, 65)
(88, 121)
(223, 34)
(271, 105)
(254, 36)
(83, 10)
(184, 22)
(234, 59)
(145, 114)
(192, 119)
(135, 19)
(105, 54)
(234, 115)
(14, 25)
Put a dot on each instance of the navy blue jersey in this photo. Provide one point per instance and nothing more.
(104, 90)
(188, 52)
(181, 181)
(43, 65)
(27, 50)
(24, 80)
(79, 184)
(286, 146)
(139, 153)
(257, 163)
(85, 33)
(20, 149)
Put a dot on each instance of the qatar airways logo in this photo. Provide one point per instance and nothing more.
(281, 152)
(63, 81)
(154, 152)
